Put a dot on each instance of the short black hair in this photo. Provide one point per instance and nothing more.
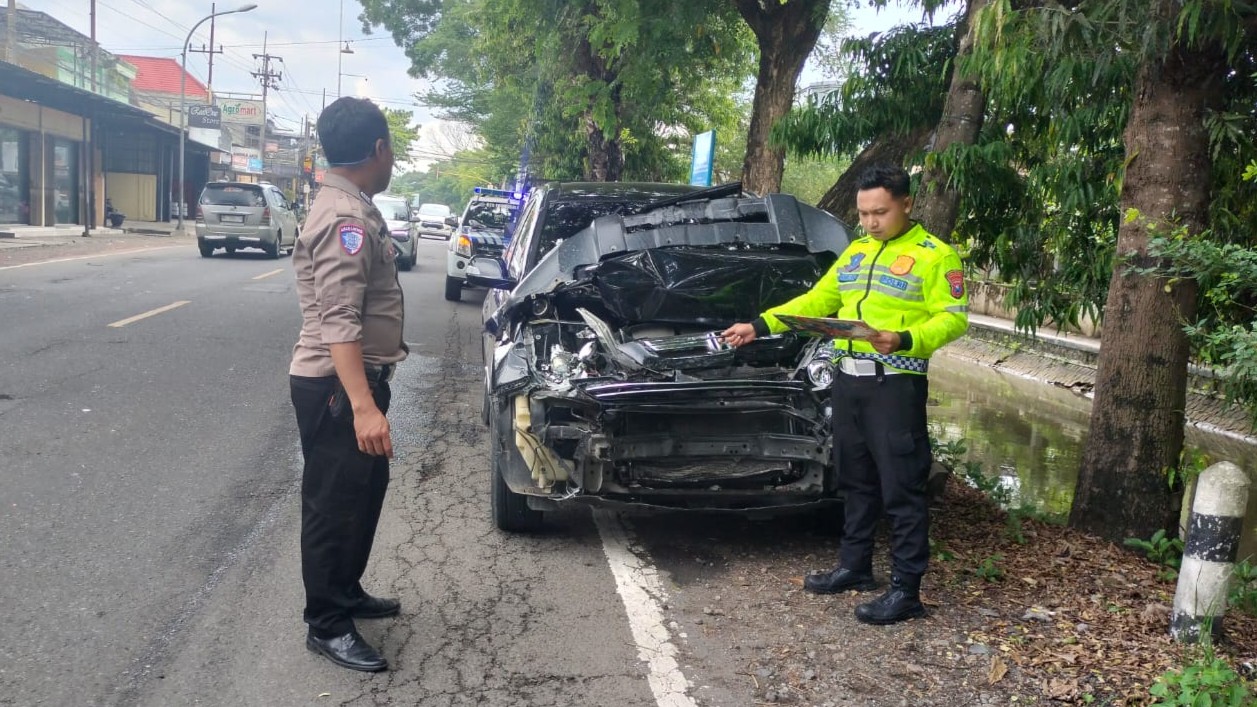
(348, 129)
(886, 176)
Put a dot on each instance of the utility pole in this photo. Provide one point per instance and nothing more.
(211, 50)
(268, 79)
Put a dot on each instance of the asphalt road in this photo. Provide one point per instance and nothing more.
(149, 510)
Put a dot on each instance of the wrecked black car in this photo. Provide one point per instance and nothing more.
(607, 380)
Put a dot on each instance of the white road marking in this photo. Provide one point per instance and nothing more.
(265, 275)
(642, 593)
(89, 257)
(150, 313)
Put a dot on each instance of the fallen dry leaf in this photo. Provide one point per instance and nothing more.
(997, 672)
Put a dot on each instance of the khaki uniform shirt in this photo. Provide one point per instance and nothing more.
(346, 282)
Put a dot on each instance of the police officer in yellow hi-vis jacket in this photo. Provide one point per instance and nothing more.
(909, 286)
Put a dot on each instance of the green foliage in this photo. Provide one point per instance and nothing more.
(1207, 681)
(989, 569)
(808, 178)
(402, 133)
(939, 551)
(1243, 596)
(897, 83)
(566, 77)
(1164, 551)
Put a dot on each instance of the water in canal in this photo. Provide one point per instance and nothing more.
(1031, 434)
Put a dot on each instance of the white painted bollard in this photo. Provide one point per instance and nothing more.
(1213, 538)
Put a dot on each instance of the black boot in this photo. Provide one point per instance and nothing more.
(839, 579)
(900, 603)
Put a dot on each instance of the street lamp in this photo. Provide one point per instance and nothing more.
(183, 110)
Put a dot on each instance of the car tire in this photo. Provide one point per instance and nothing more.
(453, 289)
(295, 236)
(272, 249)
(405, 263)
(511, 513)
(206, 251)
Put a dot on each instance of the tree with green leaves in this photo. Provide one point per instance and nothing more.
(402, 133)
(785, 31)
(1110, 126)
(602, 89)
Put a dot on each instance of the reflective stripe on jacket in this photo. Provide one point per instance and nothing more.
(913, 283)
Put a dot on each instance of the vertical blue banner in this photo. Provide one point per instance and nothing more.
(704, 158)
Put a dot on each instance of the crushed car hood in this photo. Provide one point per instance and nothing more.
(709, 262)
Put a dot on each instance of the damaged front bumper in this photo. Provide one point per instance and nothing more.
(737, 444)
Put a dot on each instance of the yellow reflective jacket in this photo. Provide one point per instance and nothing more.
(913, 283)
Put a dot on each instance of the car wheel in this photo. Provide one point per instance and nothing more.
(453, 289)
(510, 510)
(206, 251)
(404, 263)
(272, 249)
(295, 236)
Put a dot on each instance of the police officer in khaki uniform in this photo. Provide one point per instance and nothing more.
(351, 338)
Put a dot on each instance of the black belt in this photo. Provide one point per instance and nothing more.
(379, 374)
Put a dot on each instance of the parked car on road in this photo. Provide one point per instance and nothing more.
(606, 380)
(481, 231)
(234, 215)
(401, 229)
(434, 221)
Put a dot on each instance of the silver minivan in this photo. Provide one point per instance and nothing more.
(234, 215)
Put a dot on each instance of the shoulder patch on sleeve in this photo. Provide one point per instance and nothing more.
(956, 279)
(351, 238)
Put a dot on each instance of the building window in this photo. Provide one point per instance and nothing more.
(15, 189)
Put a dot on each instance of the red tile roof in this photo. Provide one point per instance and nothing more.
(161, 75)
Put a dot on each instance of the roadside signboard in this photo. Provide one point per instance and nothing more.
(703, 159)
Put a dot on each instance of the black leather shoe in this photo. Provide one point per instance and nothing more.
(348, 651)
(839, 579)
(900, 603)
(376, 608)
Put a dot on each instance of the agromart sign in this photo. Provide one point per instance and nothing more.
(240, 112)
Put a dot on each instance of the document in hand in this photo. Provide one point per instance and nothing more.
(824, 326)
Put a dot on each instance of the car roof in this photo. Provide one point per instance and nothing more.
(616, 191)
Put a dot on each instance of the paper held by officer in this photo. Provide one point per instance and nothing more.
(827, 327)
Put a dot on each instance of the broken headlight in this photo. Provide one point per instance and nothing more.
(820, 369)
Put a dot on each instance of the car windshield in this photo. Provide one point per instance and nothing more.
(392, 209)
(566, 219)
(232, 195)
(488, 216)
(438, 210)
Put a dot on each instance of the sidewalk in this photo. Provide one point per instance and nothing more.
(21, 245)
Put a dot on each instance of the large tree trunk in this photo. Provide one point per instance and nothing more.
(1138, 414)
(786, 33)
(963, 112)
(604, 159)
(604, 155)
(891, 148)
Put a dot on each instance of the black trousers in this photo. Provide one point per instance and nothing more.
(883, 459)
(342, 492)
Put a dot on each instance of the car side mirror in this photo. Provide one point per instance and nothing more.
(487, 271)
(451, 221)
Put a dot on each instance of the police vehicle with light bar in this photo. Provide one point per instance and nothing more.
(482, 231)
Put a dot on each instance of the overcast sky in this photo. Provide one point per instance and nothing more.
(305, 33)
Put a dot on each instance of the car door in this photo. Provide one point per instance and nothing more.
(283, 215)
